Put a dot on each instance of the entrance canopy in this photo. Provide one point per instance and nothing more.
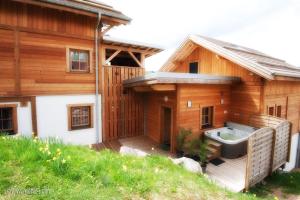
(166, 81)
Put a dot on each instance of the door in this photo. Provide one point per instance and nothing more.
(166, 127)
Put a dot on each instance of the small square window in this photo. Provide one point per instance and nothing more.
(193, 67)
(8, 122)
(80, 117)
(79, 60)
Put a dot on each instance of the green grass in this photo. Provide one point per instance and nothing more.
(288, 183)
(56, 171)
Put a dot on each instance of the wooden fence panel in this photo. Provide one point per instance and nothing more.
(124, 111)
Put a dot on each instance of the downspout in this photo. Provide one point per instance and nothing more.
(97, 78)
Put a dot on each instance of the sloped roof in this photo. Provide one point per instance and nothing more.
(179, 78)
(91, 6)
(253, 60)
(132, 44)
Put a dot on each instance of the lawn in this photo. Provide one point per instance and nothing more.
(32, 169)
(283, 185)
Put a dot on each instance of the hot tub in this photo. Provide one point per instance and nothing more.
(233, 138)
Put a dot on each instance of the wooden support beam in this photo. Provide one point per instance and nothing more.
(17, 63)
(103, 32)
(112, 56)
(142, 89)
(164, 87)
(135, 59)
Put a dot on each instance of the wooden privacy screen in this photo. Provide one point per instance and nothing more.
(282, 137)
(259, 158)
(123, 108)
(268, 147)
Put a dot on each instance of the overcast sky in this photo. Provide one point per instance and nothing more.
(271, 26)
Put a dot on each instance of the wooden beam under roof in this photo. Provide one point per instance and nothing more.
(163, 87)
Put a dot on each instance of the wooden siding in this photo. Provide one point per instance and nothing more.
(245, 96)
(202, 96)
(31, 17)
(33, 47)
(287, 95)
(153, 105)
(123, 108)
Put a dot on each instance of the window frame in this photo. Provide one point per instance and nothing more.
(189, 67)
(68, 60)
(212, 116)
(91, 116)
(14, 116)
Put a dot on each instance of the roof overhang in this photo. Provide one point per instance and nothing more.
(148, 49)
(88, 7)
(167, 81)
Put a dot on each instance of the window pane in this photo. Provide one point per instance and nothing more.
(84, 66)
(74, 55)
(193, 67)
(75, 65)
(84, 56)
(278, 111)
(80, 117)
(6, 119)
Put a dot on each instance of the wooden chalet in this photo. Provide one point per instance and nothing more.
(62, 77)
(208, 82)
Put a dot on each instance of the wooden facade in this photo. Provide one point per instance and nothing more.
(236, 102)
(33, 48)
(35, 42)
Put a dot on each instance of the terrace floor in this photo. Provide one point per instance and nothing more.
(230, 174)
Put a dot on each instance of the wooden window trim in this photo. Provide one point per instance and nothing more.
(14, 115)
(69, 109)
(213, 117)
(68, 61)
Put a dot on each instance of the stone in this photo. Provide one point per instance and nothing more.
(189, 164)
(124, 150)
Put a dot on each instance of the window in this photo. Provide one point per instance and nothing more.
(80, 116)
(278, 111)
(271, 110)
(193, 67)
(79, 60)
(207, 117)
(8, 122)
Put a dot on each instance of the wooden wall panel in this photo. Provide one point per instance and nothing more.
(44, 19)
(33, 46)
(286, 94)
(7, 63)
(201, 96)
(43, 66)
(123, 109)
(246, 96)
(153, 105)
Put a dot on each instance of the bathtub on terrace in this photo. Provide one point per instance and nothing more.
(233, 137)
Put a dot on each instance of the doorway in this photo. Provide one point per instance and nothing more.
(166, 129)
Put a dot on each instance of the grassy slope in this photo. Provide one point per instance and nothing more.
(81, 173)
(287, 184)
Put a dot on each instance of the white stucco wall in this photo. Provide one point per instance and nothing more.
(23, 118)
(293, 154)
(52, 119)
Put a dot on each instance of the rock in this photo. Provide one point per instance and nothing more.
(189, 164)
(124, 150)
